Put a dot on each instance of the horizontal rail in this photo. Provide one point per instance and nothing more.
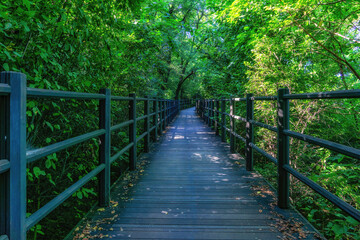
(265, 154)
(151, 129)
(36, 154)
(239, 99)
(238, 136)
(264, 98)
(121, 152)
(238, 117)
(141, 118)
(5, 88)
(145, 99)
(325, 193)
(118, 98)
(121, 125)
(4, 237)
(322, 95)
(234, 133)
(41, 93)
(4, 165)
(349, 151)
(141, 136)
(50, 206)
(263, 125)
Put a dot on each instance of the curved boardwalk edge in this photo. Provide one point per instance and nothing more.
(193, 188)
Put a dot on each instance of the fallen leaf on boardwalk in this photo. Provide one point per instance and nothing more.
(260, 211)
(164, 212)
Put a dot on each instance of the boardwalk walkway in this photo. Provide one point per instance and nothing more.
(193, 188)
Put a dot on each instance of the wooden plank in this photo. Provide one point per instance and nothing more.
(192, 189)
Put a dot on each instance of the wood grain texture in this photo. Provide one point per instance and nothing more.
(193, 188)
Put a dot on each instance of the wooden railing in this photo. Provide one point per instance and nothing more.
(214, 113)
(14, 156)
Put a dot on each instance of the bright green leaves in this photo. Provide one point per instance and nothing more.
(6, 67)
(38, 172)
(50, 161)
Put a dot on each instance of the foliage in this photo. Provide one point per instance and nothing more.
(188, 49)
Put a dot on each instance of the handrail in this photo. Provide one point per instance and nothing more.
(4, 89)
(216, 117)
(13, 91)
(44, 93)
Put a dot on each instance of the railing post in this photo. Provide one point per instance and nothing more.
(17, 155)
(165, 114)
(161, 116)
(105, 143)
(132, 132)
(147, 125)
(249, 132)
(232, 125)
(283, 149)
(168, 112)
(4, 154)
(203, 110)
(155, 118)
(223, 121)
(217, 117)
(211, 113)
(208, 112)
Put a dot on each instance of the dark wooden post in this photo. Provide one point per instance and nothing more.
(4, 154)
(105, 143)
(208, 111)
(203, 106)
(155, 118)
(161, 116)
(168, 112)
(132, 132)
(147, 125)
(17, 155)
(217, 117)
(223, 121)
(232, 125)
(283, 148)
(165, 113)
(249, 132)
(211, 113)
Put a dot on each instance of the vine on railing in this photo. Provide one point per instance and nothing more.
(210, 111)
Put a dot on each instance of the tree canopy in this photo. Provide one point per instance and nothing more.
(199, 49)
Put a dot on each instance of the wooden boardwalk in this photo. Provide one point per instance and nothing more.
(193, 188)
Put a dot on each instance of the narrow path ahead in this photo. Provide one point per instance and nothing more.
(193, 188)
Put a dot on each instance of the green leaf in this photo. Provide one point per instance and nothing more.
(6, 67)
(38, 172)
(49, 125)
(27, 4)
(7, 26)
(48, 163)
(79, 195)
